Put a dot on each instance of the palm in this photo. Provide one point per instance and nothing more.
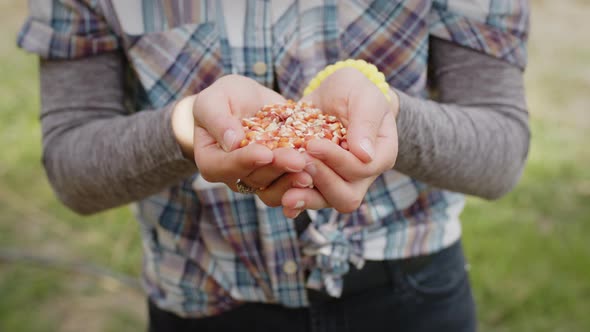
(342, 177)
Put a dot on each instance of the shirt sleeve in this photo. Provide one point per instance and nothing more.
(95, 154)
(66, 29)
(498, 28)
(475, 138)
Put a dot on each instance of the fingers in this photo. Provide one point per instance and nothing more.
(367, 109)
(272, 195)
(347, 165)
(331, 97)
(339, 193)
(295, 200)
(289, 159)
(212, 112)
(216, 165)
(361, 106)
(285, 160)
(342, 162)
(220, 107)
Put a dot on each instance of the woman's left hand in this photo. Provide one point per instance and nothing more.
(341, 178)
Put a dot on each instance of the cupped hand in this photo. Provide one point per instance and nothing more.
(218, 132)
(342, 178)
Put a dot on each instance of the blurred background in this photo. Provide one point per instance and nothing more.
(529, 252)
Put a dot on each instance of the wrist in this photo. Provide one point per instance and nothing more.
(183, 125)
(369, 70)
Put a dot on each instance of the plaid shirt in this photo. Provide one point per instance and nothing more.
(207, 248)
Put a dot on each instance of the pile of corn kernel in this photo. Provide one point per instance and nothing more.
(292, 125)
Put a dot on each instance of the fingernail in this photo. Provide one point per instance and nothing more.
(297, 213)
(311, 169)
(302, 184)
(229, 138)
(367, 146)
(292, 170)
(311, 150)
(299, 205)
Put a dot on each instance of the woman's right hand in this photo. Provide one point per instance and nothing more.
(217, 112)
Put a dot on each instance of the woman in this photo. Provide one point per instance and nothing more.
(142, 101)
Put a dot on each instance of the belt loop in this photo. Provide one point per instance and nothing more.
(396, 274)
(392, 271)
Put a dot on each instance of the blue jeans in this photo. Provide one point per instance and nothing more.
(431, 293)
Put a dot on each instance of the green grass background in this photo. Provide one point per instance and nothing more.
(529, 252)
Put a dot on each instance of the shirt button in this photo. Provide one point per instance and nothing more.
(290, 267)
(259, 68)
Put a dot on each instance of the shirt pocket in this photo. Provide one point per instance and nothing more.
(137, 17)
(392, 35)
(176, 62)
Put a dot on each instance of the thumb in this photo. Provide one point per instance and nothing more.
(367, 110)
(312, 98)
(213, 113)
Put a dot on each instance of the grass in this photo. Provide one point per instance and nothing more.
(529, 251)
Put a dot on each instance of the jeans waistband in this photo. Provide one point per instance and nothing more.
(379, 273)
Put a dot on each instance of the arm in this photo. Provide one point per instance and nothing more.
(475, 139)
(97, 156)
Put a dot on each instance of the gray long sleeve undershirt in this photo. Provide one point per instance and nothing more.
(474, 139)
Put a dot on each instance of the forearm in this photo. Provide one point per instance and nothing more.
(475, 138)
(96, 156)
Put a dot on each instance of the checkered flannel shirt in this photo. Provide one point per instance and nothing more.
(206, 248)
